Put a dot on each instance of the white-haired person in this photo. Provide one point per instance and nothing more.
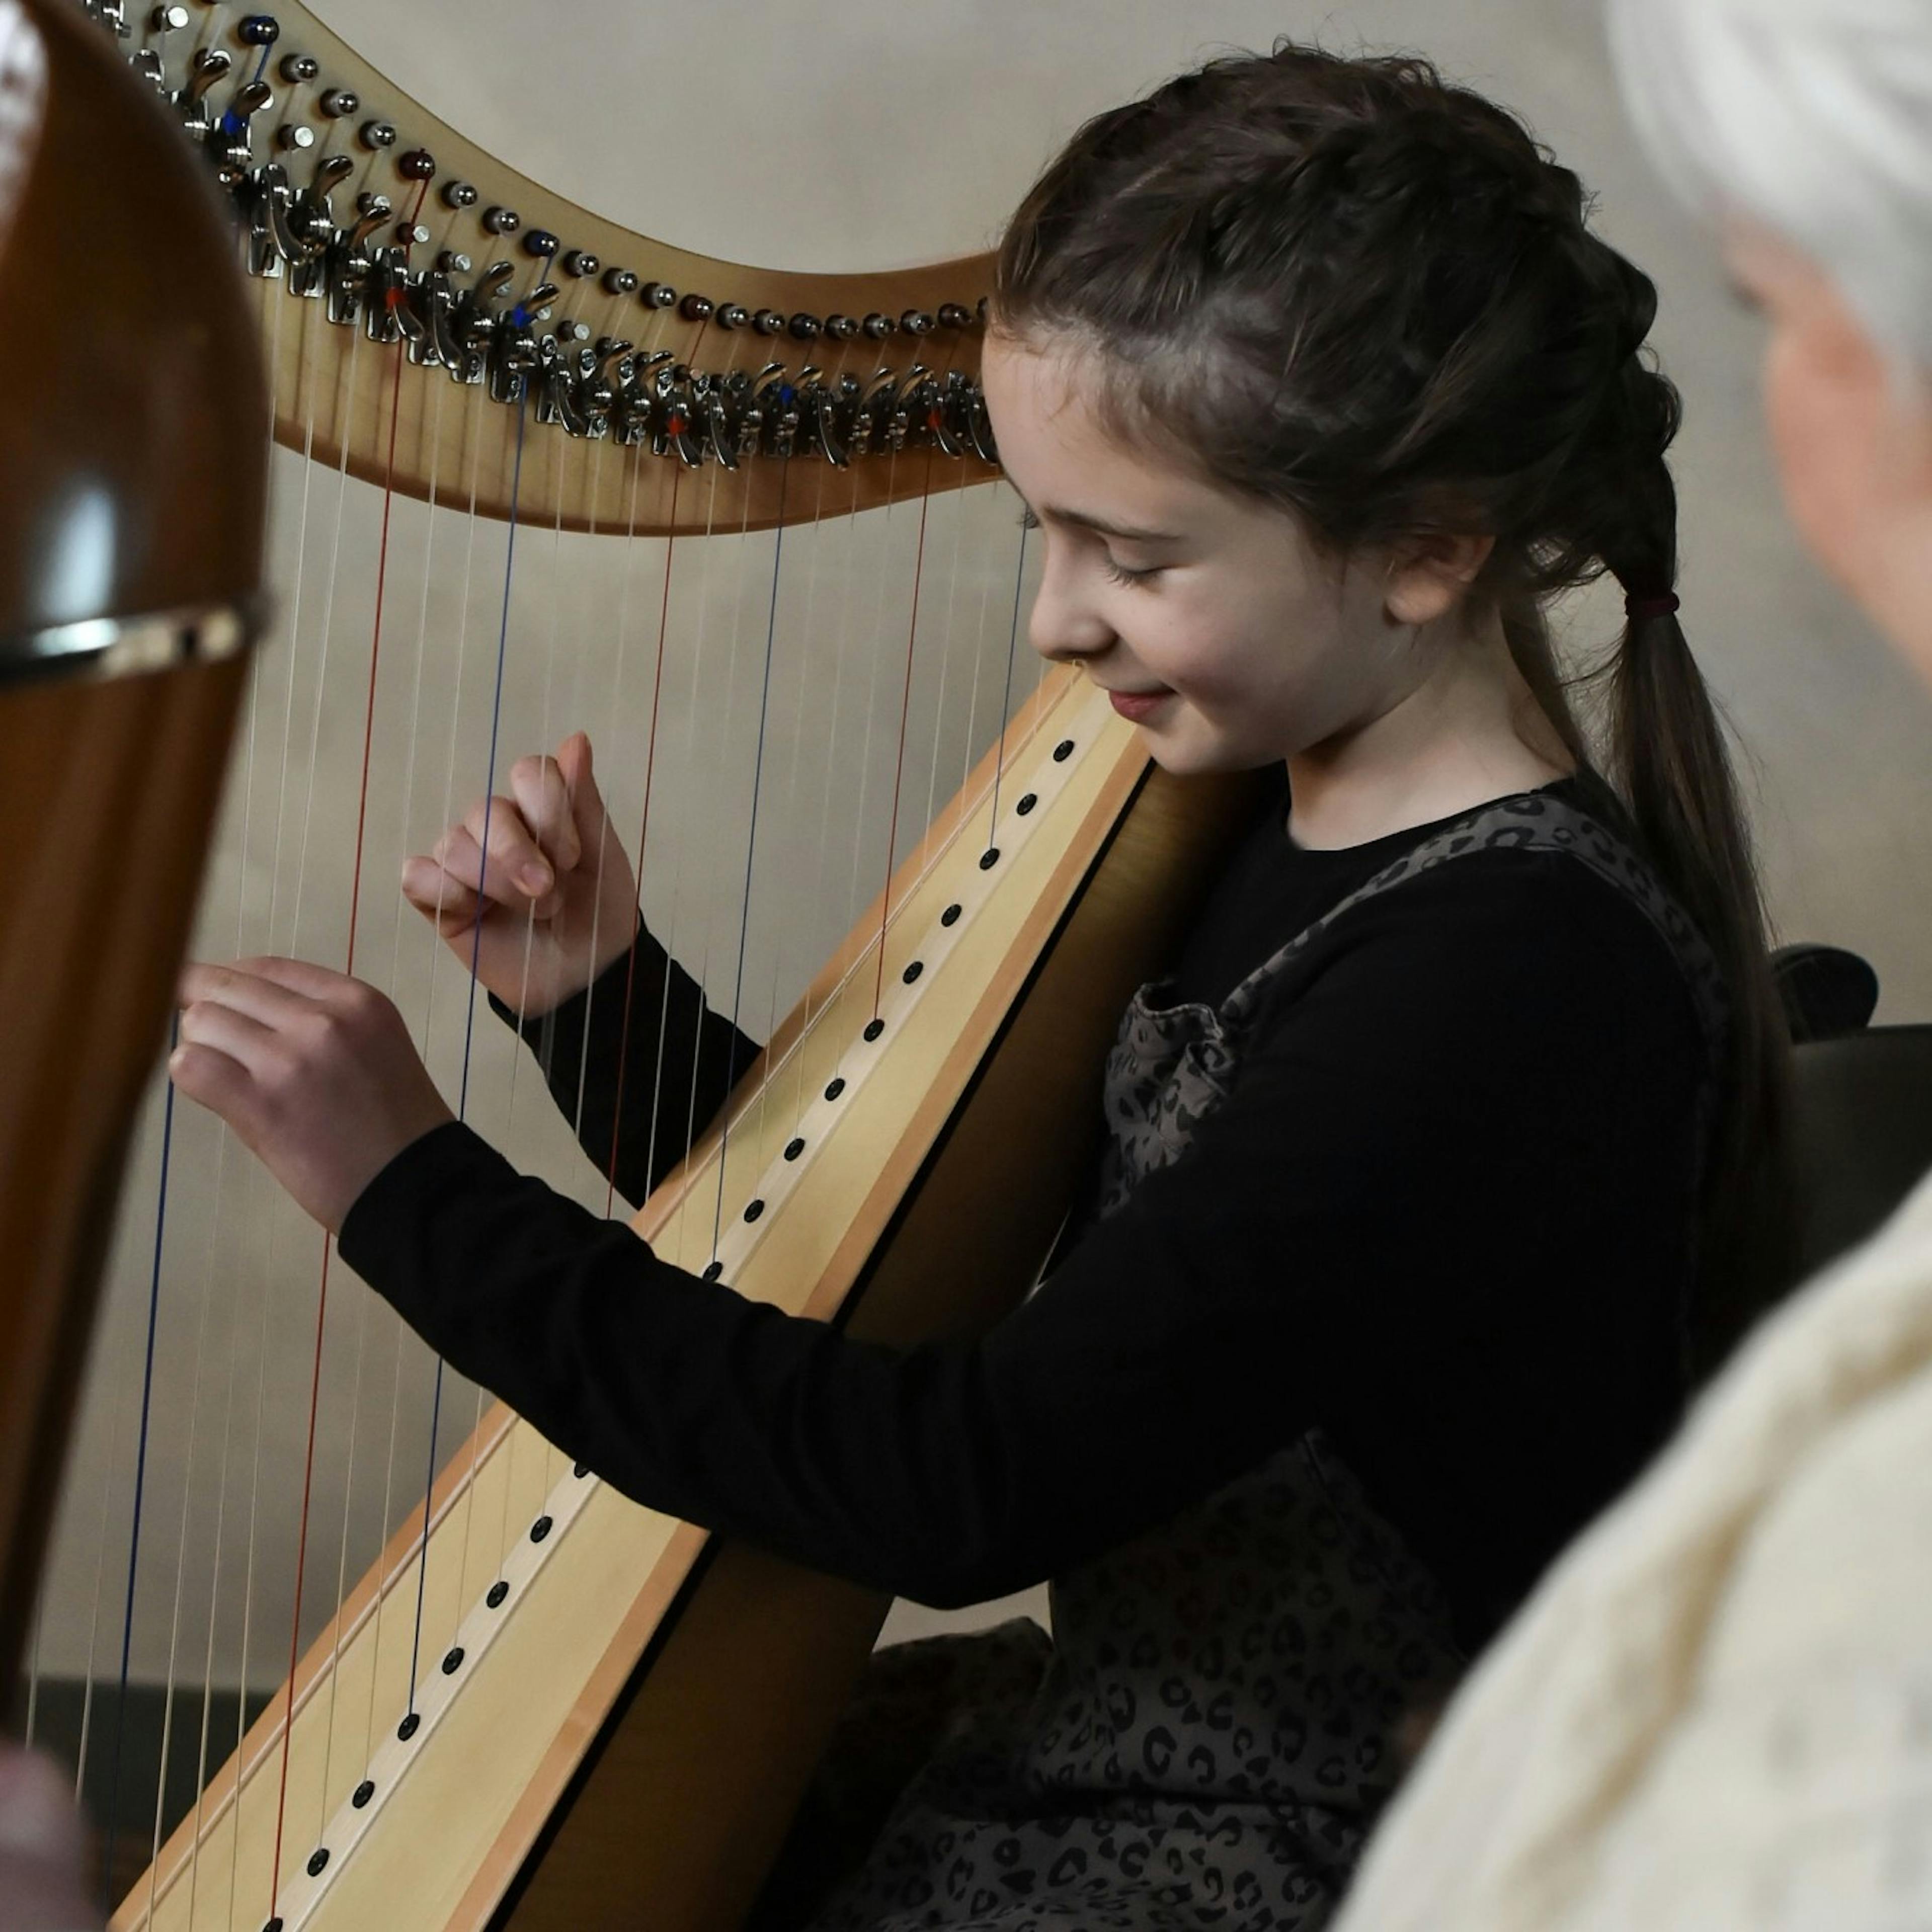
(1716, 1713)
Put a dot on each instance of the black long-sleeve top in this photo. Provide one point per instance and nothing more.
(1445, 1212)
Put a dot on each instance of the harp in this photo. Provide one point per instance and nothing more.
(407, 1665)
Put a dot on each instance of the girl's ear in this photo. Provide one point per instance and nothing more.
(1430, 576)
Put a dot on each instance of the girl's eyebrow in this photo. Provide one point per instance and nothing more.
(1105, 526)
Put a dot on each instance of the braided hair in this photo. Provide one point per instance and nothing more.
(1349, 288)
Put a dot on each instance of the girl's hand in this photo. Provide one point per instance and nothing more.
(42, 1885)
(558, 902)
(314, 1071)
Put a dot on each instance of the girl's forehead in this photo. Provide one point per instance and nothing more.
(1057, 441)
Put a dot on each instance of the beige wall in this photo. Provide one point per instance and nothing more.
(818, 137)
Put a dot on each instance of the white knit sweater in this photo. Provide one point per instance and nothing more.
(1715, 1715)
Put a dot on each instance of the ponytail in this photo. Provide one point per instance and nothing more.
(1667, 750)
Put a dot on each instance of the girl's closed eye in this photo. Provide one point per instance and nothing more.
(1119, 572)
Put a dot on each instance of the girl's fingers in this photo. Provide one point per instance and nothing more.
(229, 1030)
(217, 1082)
(440, 895)
(514, 870)
(594, 834)
(319, 985)
(543, 798)
(242, 989)
(512, 861)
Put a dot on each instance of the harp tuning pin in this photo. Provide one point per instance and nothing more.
(805, 327)
(953, 315)
(207, 67)
(878, 327)
(732, 315)
(501, 221)
(458, 194)
(417, 165)
(841, 328)
(916, 322)
(371, 212)
(292, 138)
(658, 295)
(696, 308)
(259, 30)
(579, 262)
(338, 103)
(768, 321)
(377, 135)
(167, 19)
(298, 70)
(541, 244)
(620, 281)
(533, 305)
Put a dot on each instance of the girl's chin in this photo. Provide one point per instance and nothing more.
(1185, 756)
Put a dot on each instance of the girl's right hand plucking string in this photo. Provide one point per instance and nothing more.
(535, 886)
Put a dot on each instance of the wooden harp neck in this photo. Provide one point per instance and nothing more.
(452, 329)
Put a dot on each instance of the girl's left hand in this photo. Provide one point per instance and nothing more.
(315, 1071)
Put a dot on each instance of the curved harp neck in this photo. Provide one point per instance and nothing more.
(453, 330)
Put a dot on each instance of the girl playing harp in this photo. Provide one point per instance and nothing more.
(1320, 386)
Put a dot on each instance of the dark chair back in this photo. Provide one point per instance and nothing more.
(1862, 1132)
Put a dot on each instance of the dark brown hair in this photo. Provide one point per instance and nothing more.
(1349, 288)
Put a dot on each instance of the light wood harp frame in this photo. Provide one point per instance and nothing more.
(621, 1730)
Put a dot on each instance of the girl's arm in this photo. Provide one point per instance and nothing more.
(1445, 1212)
(534, 893)
(638, 1064)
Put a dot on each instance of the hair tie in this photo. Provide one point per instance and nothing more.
(1664, 605)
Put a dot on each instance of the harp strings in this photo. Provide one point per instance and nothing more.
(843, 626)
(769, 1080)
(751, 833)
(898, 755)
(672, 937)
(344, 417)
(365, 1302)
(140, 1477)
(469, 1025)
(270, 294)
(432, 943)
(349, 966)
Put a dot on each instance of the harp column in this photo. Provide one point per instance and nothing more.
(132, 425)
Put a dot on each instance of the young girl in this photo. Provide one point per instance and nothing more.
(1318, 385)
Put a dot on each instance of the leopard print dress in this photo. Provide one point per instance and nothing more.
(1210, 1734)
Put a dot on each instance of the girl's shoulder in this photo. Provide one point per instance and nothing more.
(1544, 888)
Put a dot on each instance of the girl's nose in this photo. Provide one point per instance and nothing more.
(1064, 625)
